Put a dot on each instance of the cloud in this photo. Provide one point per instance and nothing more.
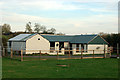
(51, 5)
(95, 23)
(18, 13)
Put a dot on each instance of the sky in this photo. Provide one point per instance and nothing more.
(66, 16)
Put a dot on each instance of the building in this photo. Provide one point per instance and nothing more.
(45, 43)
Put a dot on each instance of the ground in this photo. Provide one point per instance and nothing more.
(77, 68)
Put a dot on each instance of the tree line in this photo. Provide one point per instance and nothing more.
(38, 28)
(112, 38)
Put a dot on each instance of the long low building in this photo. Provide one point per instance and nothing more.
(51, 44)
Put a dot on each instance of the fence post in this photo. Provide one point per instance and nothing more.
(117, 50)
(57, 54)
(0, 52)
(93, 54)
(3, 51)
(110, 53)
(21, 55)
(40, 54)
(69, 53)
(11, 53)
(81, 53)
(104, 52)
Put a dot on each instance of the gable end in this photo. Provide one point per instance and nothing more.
(98, 40)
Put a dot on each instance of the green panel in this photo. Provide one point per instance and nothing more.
(98, 40)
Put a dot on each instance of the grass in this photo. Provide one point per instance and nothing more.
(77, 68)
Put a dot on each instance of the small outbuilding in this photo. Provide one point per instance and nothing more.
(51, 43)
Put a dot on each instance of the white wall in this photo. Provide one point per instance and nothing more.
(34, 44)
(93, 47)
(56, 47)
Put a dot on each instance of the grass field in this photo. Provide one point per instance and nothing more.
(77, 68)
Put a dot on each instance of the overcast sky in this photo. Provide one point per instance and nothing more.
(67, 16)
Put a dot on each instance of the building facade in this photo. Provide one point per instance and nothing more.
(51, 44)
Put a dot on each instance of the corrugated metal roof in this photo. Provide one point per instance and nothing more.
(59, 38)
(21, 37)
(82, 38)
(63, 38)
(71, 39)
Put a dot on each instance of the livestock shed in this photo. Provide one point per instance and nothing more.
(46, 43)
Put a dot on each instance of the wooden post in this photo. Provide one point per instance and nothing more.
(69, 53)
(21, 55)
(93, 54)
(117, 50)
(104, 52)
(57, 55)
(11, 53)
(110, 52)
(3, 51)
(40, 54)
(81, 53)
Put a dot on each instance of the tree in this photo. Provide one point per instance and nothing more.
(6, 28)
(28, 27)
(37, 27)
(43, 29)
(52, 30)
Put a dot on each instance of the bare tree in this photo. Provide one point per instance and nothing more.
(37, 27)
(6, 28)
(43, 29)
(52, 30)
(28, 27)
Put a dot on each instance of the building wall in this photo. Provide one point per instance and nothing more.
(56, 46)
(34, 44)
(17, 45)
(92, 47)
(66, 44)
(95, 46)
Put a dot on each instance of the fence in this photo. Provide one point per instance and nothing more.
(24, 55)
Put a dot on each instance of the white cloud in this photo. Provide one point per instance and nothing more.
(96, 23)
(54, 5)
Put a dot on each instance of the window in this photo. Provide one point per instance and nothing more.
(38, 38)
(52, 44)
(9, 43)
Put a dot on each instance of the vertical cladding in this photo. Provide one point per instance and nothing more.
(18, 45)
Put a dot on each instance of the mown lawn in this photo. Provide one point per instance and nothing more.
(77, 68)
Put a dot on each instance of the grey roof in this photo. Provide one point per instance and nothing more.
(71, 39)
(82, 38)
(57, 38)
(21, 37)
